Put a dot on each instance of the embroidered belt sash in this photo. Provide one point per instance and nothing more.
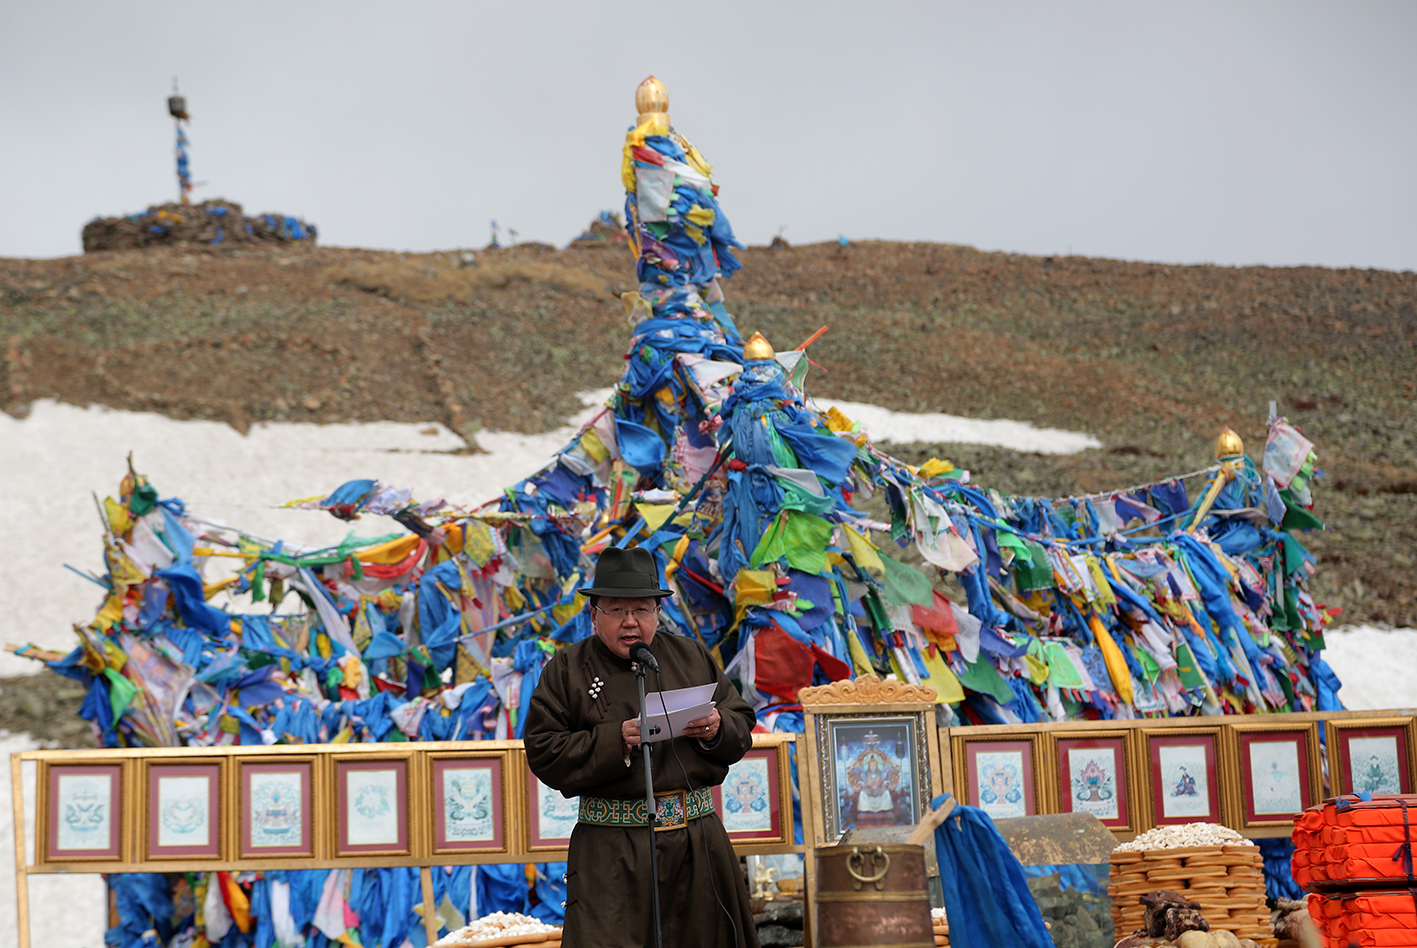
(674, 809)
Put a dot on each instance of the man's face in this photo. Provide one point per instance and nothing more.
(619, 628)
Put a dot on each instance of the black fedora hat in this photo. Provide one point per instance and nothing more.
(626, 574)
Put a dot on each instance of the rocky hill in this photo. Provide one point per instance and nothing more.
(1151, 359)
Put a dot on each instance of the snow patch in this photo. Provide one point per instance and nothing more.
(66, 911)
(1377, 667)
(884, 425)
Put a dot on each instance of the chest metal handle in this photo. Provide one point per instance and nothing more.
(880, 864)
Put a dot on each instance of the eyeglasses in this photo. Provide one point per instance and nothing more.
(639, 614)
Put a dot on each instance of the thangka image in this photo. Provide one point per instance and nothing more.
(1185, 783)
(1275, 777)
(747, 796)
(467, 804)
(1000, 791)
(1094, 777)
(875, 774)
(1374, 767)
(276, 812)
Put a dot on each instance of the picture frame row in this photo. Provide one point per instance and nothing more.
(386, 804)
(1254, 774)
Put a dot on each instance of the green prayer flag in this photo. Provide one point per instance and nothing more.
(120, 692)
(906, 585)
(1034, 571)
(983, 677)
(1061, 670)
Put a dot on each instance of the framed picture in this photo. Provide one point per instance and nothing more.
(1279, 772)
(875, 770)
(469, 802)
(1095, 775)
(82, 815)
(755, 799)
(1371, 755)
(1185, 785)
(184, 813)
(1000, 774)
(275, 804)
(550, 816)
(373, 807)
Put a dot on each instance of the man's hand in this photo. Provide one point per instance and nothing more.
(629, 734)
(705, 729)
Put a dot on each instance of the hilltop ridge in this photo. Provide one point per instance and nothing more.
(1152, 359)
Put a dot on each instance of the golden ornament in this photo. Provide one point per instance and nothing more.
(652, 102)
(1228, 445)
(757, 348)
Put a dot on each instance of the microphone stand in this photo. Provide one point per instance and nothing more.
(649, 803)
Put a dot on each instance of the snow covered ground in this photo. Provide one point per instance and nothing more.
(54, 459)
(66, 911)
(1378, 667)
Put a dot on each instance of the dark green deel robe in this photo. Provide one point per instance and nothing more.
(573, 745)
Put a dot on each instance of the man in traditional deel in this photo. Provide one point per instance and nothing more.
(582, 738)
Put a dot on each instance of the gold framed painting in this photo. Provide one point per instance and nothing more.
(81, 811)
(1184, 775)
(372, 805)
(1095, 771)
(1279, 773)
(871, 755)
(1001, 773)
(183, 809)
(1372, 755)
(755, 799)
(472, 797)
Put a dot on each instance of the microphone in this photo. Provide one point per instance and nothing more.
(640, 652)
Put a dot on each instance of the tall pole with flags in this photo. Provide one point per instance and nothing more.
(177, 108)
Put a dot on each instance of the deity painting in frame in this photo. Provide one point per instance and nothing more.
(468, 804)
(373, 807)
(749, 801)
(184, 810)
(1185, 787)
(275, 808)
(550, 816)
(1094, 777)
(875, 769)
(83, 814)
(1277, 771)
(1001, 776)
(1371, 756)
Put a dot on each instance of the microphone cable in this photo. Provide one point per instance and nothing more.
(708, 857)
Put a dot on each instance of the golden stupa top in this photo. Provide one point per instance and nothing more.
(652, 102)
(757, 347)
(1228, 445)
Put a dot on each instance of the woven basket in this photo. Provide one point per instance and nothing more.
(1226, 881)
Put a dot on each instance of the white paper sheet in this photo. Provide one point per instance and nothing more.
(668, 718)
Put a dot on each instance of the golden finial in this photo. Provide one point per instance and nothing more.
(1228, 445)
(757, 348)
(652, 102)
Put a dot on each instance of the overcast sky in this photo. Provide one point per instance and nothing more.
(1278, 133)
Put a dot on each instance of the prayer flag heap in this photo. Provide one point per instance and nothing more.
(757, 507)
